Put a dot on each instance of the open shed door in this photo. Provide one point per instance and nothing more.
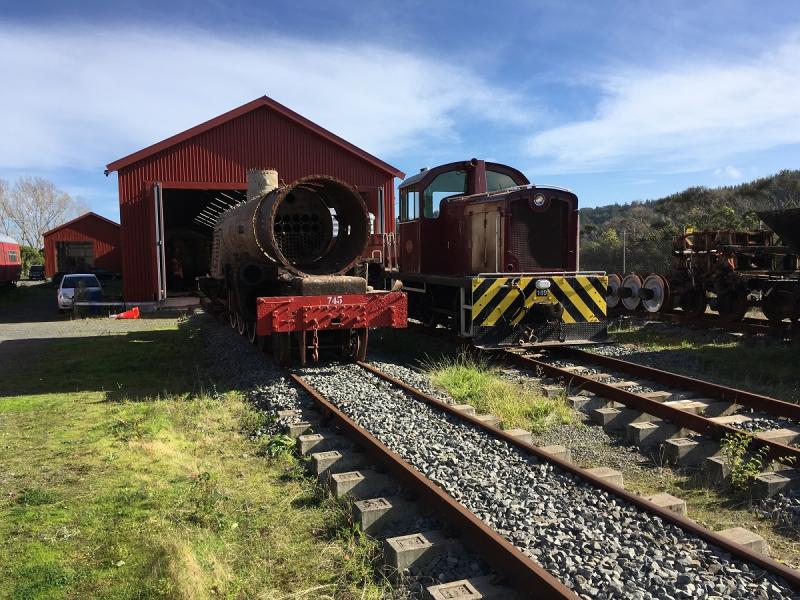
(161, 261)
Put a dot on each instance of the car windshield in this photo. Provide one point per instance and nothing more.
(74, 281)
(37, 268)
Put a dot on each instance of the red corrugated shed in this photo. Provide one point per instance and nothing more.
(101, 232)
(217, 155)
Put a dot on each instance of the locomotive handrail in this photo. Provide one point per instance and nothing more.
(542, 274)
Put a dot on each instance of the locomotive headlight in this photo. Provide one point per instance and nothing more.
(539, 200)
(542, 284)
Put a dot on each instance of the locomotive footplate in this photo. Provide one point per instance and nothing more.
(282, 314)
(538, 309)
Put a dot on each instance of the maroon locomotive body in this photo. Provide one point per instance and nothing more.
(487, 253)
(10, 261)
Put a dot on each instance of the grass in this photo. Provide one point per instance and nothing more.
(473, 380)
(714, 508)
(123, 478)
(766, 366)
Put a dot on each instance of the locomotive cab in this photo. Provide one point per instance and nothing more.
(486, 252)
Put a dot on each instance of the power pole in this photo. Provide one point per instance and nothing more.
(624, 251)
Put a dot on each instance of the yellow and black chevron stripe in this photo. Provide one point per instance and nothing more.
(508, 299)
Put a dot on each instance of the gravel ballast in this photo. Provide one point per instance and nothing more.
(594, 542)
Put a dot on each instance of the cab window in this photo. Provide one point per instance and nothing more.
(498, 181)
(452, 183)
(409, 205)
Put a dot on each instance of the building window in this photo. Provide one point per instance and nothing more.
(452, 183)
(499, 181)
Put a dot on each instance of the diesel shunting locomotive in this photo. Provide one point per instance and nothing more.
(494, 257)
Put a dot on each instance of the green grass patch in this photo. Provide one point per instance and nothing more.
(766, 366)
(473, 380)
(122, 478)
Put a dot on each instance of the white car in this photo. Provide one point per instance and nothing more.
(76, 281)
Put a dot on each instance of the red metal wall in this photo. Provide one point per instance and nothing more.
(258, 139)
(89, 228)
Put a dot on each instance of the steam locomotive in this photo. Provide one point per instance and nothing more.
(488, 254)
(287, 269)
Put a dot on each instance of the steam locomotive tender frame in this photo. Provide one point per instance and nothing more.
(495, 258)
(288, 269)
(725, 270)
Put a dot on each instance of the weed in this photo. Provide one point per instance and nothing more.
(474, 380)
(277, 445)
(36, 497)
(254, 423)
(744, 467)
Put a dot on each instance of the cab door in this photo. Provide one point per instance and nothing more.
(410, 249)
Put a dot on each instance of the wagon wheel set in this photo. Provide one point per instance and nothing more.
(654, 294)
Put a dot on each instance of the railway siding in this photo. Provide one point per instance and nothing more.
(593, 541)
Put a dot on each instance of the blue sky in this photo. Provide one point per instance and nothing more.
(618, 101)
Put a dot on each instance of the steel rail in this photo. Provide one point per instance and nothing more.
(677, 416)
(791, 576)
(746, 325)
(713, 390)
(523, 574)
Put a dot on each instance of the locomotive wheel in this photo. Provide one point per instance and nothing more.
(732, 306)
(612, 294)
(776, 306)
(360, 350)
(262, 341)
(693, 302)
(250, 328)
(241, 326)
(655, 292)
(282, 348)
(354, 344)
(629, 292)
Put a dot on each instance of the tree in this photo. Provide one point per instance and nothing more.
(33, 206)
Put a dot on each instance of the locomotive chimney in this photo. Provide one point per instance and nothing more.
(261, 182)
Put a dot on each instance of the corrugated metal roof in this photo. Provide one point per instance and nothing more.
(264, 101)
(5, 239)
(76, 219)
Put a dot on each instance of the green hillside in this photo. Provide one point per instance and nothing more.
(650, 225)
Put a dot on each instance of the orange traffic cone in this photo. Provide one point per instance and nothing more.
(128, 314)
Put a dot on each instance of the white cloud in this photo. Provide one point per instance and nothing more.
(686, 117)
(729, 172)
(79, 98)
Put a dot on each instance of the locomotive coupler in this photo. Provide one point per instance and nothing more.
(315, 344)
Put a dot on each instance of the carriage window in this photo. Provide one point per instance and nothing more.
(12, 256)
(452, 183)
(498, 181)
(409, 205)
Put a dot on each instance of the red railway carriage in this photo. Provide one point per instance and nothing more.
(491, 255)
(10, 261)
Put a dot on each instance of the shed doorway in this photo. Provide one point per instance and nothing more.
(74, 257)
(186, 223)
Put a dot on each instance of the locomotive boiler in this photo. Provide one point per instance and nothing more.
(494, 257)
(287, 269)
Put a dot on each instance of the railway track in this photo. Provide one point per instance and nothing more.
(543, 527)
(682, 416)
(748, 325)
